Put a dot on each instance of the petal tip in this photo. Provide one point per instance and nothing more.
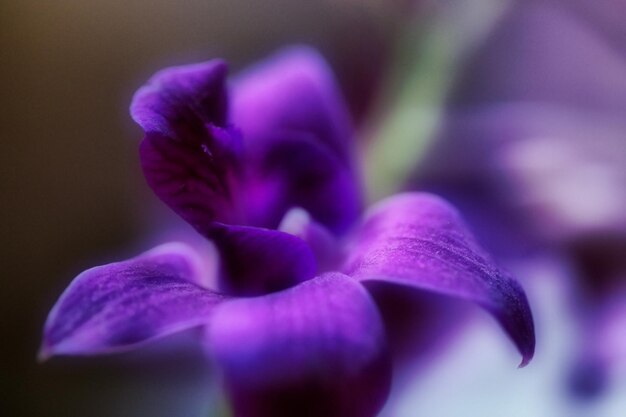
(525, 361)
(122, 305)
(144, 101)
(527, 354)
(419, 239)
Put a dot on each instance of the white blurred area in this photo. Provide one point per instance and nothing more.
(478, 375)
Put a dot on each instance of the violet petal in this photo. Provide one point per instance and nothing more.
(307, 174)
(420, 240)
(296, 125)
(328, 250)
(257, 261)
(117, 306)
(317, 349)
(189, 156)
(294, 90)
(179, 101)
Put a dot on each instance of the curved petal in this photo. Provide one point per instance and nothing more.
(294, 90)
(119, 305)
(303, 172)
(298, 156)
(317, 349)
(299, 138)
(257, 261)
(420, 240)
(179, 101)
(328, 250)
(189, 155)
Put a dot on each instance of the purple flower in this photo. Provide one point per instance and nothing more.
(266, 172)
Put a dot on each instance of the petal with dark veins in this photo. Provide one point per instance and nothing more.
(190, 156)
(420, 240)
(120, 305)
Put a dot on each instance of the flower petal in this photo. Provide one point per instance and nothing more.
(306, 173)
(179, 102)
(293, 90)
(419, 240)
(258, 261)
(189, 155)
(328, 250)
(298, 133)
(119, 305)
(317, 349)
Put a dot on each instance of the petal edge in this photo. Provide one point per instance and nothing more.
(420, 240)
(121, 305)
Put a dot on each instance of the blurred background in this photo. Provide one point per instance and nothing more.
(514, 110)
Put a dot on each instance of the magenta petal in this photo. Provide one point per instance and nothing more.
(189, 156)
(315, 350)
(119, 305)
(420, 240)
(292, 91)
(257, 261)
